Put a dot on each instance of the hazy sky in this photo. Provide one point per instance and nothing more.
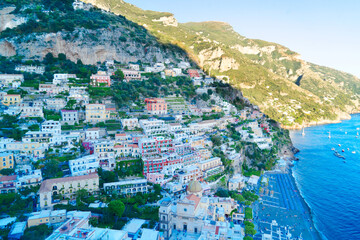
(325, 32)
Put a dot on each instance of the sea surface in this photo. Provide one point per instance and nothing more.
(331, 187)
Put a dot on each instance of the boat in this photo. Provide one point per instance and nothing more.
(345, 132)
(343, 150)
(338, 155)
(353, 152)
(329, 135)
(303, 132)
(348, 149)
(339, 145)
(333, 149)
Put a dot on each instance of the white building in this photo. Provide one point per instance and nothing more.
(55, 104)
(130, 123)
(7, 80)
(83, 166)
(62, 78)
(69, 116)
(51, 127)
(127, 187)
(30, 69)
(153, 127)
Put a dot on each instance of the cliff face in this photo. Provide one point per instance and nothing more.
(8, 20)
(90, 46)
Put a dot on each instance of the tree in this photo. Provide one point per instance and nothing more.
(210, 92)
(7, 171)
(249, 230)
(34, 127)
(117, 207)
(216, 140)
(94, 222)
(118, 76)
(49, 58)
(62, 57)
(248, 238)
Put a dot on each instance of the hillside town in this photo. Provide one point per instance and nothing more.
(79, 166)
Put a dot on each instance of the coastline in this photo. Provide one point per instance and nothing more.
(345, 116)
(318, 234)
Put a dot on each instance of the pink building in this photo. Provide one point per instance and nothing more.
(156, 178)
(100, 79)
(156, 106)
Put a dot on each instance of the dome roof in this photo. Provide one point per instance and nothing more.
(194, 187)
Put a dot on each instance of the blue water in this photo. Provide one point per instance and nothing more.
(330, 187)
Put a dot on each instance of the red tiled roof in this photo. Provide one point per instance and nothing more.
(194, 198)
(8, 178)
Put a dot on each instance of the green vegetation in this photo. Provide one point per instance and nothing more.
(60, 17)
(256, 75)
(9, 126)
(249, 228)
(248, 213)
(38, 232)
(14, 205)
(126, 168)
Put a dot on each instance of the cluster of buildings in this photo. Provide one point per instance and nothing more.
(175, 150)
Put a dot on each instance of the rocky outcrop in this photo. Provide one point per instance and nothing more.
(8, 20)
(90, 46)
(167, 21)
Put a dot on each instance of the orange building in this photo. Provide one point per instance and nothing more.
(156, 106)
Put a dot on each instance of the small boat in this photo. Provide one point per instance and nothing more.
(338, 155)
(357, 128)
(339, 145)
(303, 132)
(357, 133)
(348, 149)
(329, 135)
(343, 150)
(345, 132)
(353, 152)
(333, 149)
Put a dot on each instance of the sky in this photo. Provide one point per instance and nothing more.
(325, 32)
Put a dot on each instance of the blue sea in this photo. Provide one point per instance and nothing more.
(329, 186)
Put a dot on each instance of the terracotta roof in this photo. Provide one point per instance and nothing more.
(46, 185)
(8, 178)
(194, 198)
(65, 110)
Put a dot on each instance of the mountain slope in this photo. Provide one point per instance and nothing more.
(91, 36)
(270, 75)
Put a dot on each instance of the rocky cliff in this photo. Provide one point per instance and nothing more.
(90, 46)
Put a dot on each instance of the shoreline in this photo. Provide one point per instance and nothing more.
(306, 205)
(322, 122)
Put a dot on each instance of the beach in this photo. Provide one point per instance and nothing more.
(282, 211)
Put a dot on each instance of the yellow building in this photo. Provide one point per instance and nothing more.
(53, 191)
(46, 217)
(35, 148)
(6, 160)
(96, 113)
(11, 99)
